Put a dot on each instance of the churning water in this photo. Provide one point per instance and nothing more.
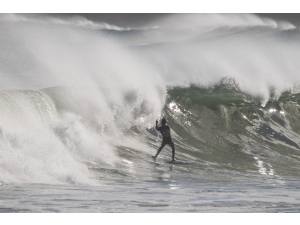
(79, 99)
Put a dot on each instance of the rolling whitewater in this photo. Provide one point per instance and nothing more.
(79, 100)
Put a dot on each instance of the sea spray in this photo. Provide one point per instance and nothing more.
(77, 93)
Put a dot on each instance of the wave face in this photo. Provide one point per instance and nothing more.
(46, 137)
(228, 129)
(79, 105)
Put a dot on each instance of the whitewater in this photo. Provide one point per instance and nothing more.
(79, 100)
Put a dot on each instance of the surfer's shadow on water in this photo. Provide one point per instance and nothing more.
(167, 171)
(161, 172)
(166, 178)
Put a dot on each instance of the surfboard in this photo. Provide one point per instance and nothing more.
(154, 161)
(178, 162)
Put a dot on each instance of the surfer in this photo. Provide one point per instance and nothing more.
(167, 140)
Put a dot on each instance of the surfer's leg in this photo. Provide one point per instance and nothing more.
(160, 148)
(173, 150)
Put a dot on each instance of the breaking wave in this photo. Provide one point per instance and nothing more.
(78, 100)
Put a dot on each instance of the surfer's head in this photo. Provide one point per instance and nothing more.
(163, 121)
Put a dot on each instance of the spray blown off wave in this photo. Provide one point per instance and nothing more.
(79, 98)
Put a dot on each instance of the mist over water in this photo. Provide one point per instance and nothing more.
(79, 98)
(106, 87)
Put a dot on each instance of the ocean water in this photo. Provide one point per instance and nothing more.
(166, 192)
(79, 100)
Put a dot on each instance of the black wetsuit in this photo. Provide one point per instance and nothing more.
(167, 140)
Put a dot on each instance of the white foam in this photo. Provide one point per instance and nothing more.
(113, 85)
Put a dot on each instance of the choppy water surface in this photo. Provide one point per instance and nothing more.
(233, 155)
(79, 100)
(167, 189)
